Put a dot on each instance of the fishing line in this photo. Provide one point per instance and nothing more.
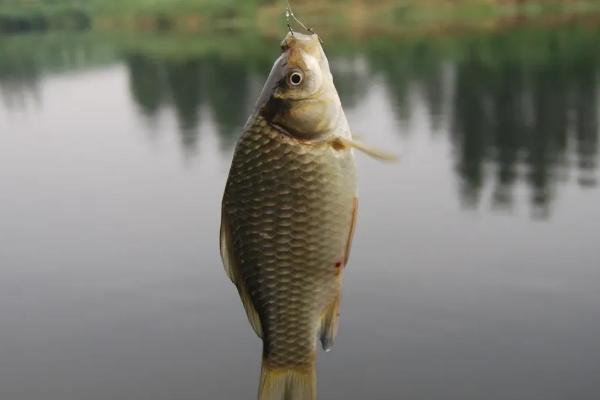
(289, 13)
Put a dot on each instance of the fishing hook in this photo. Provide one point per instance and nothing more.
(289, 13)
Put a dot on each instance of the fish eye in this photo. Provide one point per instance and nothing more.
(295, 78)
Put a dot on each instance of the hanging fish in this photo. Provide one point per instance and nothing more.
(288, 216)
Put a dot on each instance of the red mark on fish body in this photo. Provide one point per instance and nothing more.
(338, 267)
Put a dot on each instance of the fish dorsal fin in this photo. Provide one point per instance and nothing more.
(342, 142)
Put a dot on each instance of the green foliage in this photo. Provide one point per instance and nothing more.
(524, 98)
(24, 16)
(195, 15)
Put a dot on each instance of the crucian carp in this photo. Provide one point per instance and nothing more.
(288, 216)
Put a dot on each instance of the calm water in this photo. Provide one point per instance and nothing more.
(475, 272)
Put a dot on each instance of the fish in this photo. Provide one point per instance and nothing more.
(289, 212)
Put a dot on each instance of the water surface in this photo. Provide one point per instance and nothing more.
(474, 272)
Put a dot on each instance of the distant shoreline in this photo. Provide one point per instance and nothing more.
(358, 18)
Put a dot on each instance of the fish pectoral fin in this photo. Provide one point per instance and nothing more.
(231, 265)
(329, 324)
(341, 142)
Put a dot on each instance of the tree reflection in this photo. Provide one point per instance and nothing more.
(512, 114)
(19, 76)
(183, 78)
(25, 60)
(410, 69)
(229, 96)
(146, 83)
(516, 114)
(519, 108)
(187, 85)
(524, 108)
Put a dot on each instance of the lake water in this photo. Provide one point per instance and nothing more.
(475, 271)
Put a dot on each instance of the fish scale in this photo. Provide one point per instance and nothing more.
(288, 216)
(289, 204)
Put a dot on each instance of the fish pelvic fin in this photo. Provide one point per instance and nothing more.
(296, 383)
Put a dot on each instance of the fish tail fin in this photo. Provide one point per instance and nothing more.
(288, 383)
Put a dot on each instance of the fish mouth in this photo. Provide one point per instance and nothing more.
(300, 40)
(297, 48)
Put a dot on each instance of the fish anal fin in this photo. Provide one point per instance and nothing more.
(329, 323)
(232, 268)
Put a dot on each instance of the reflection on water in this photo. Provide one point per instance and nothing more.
(23, 62)
(512, 116)
(543, 118)
(517, 107)
(187, 85)
(110, 282)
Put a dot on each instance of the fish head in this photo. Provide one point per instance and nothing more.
(299, 96)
